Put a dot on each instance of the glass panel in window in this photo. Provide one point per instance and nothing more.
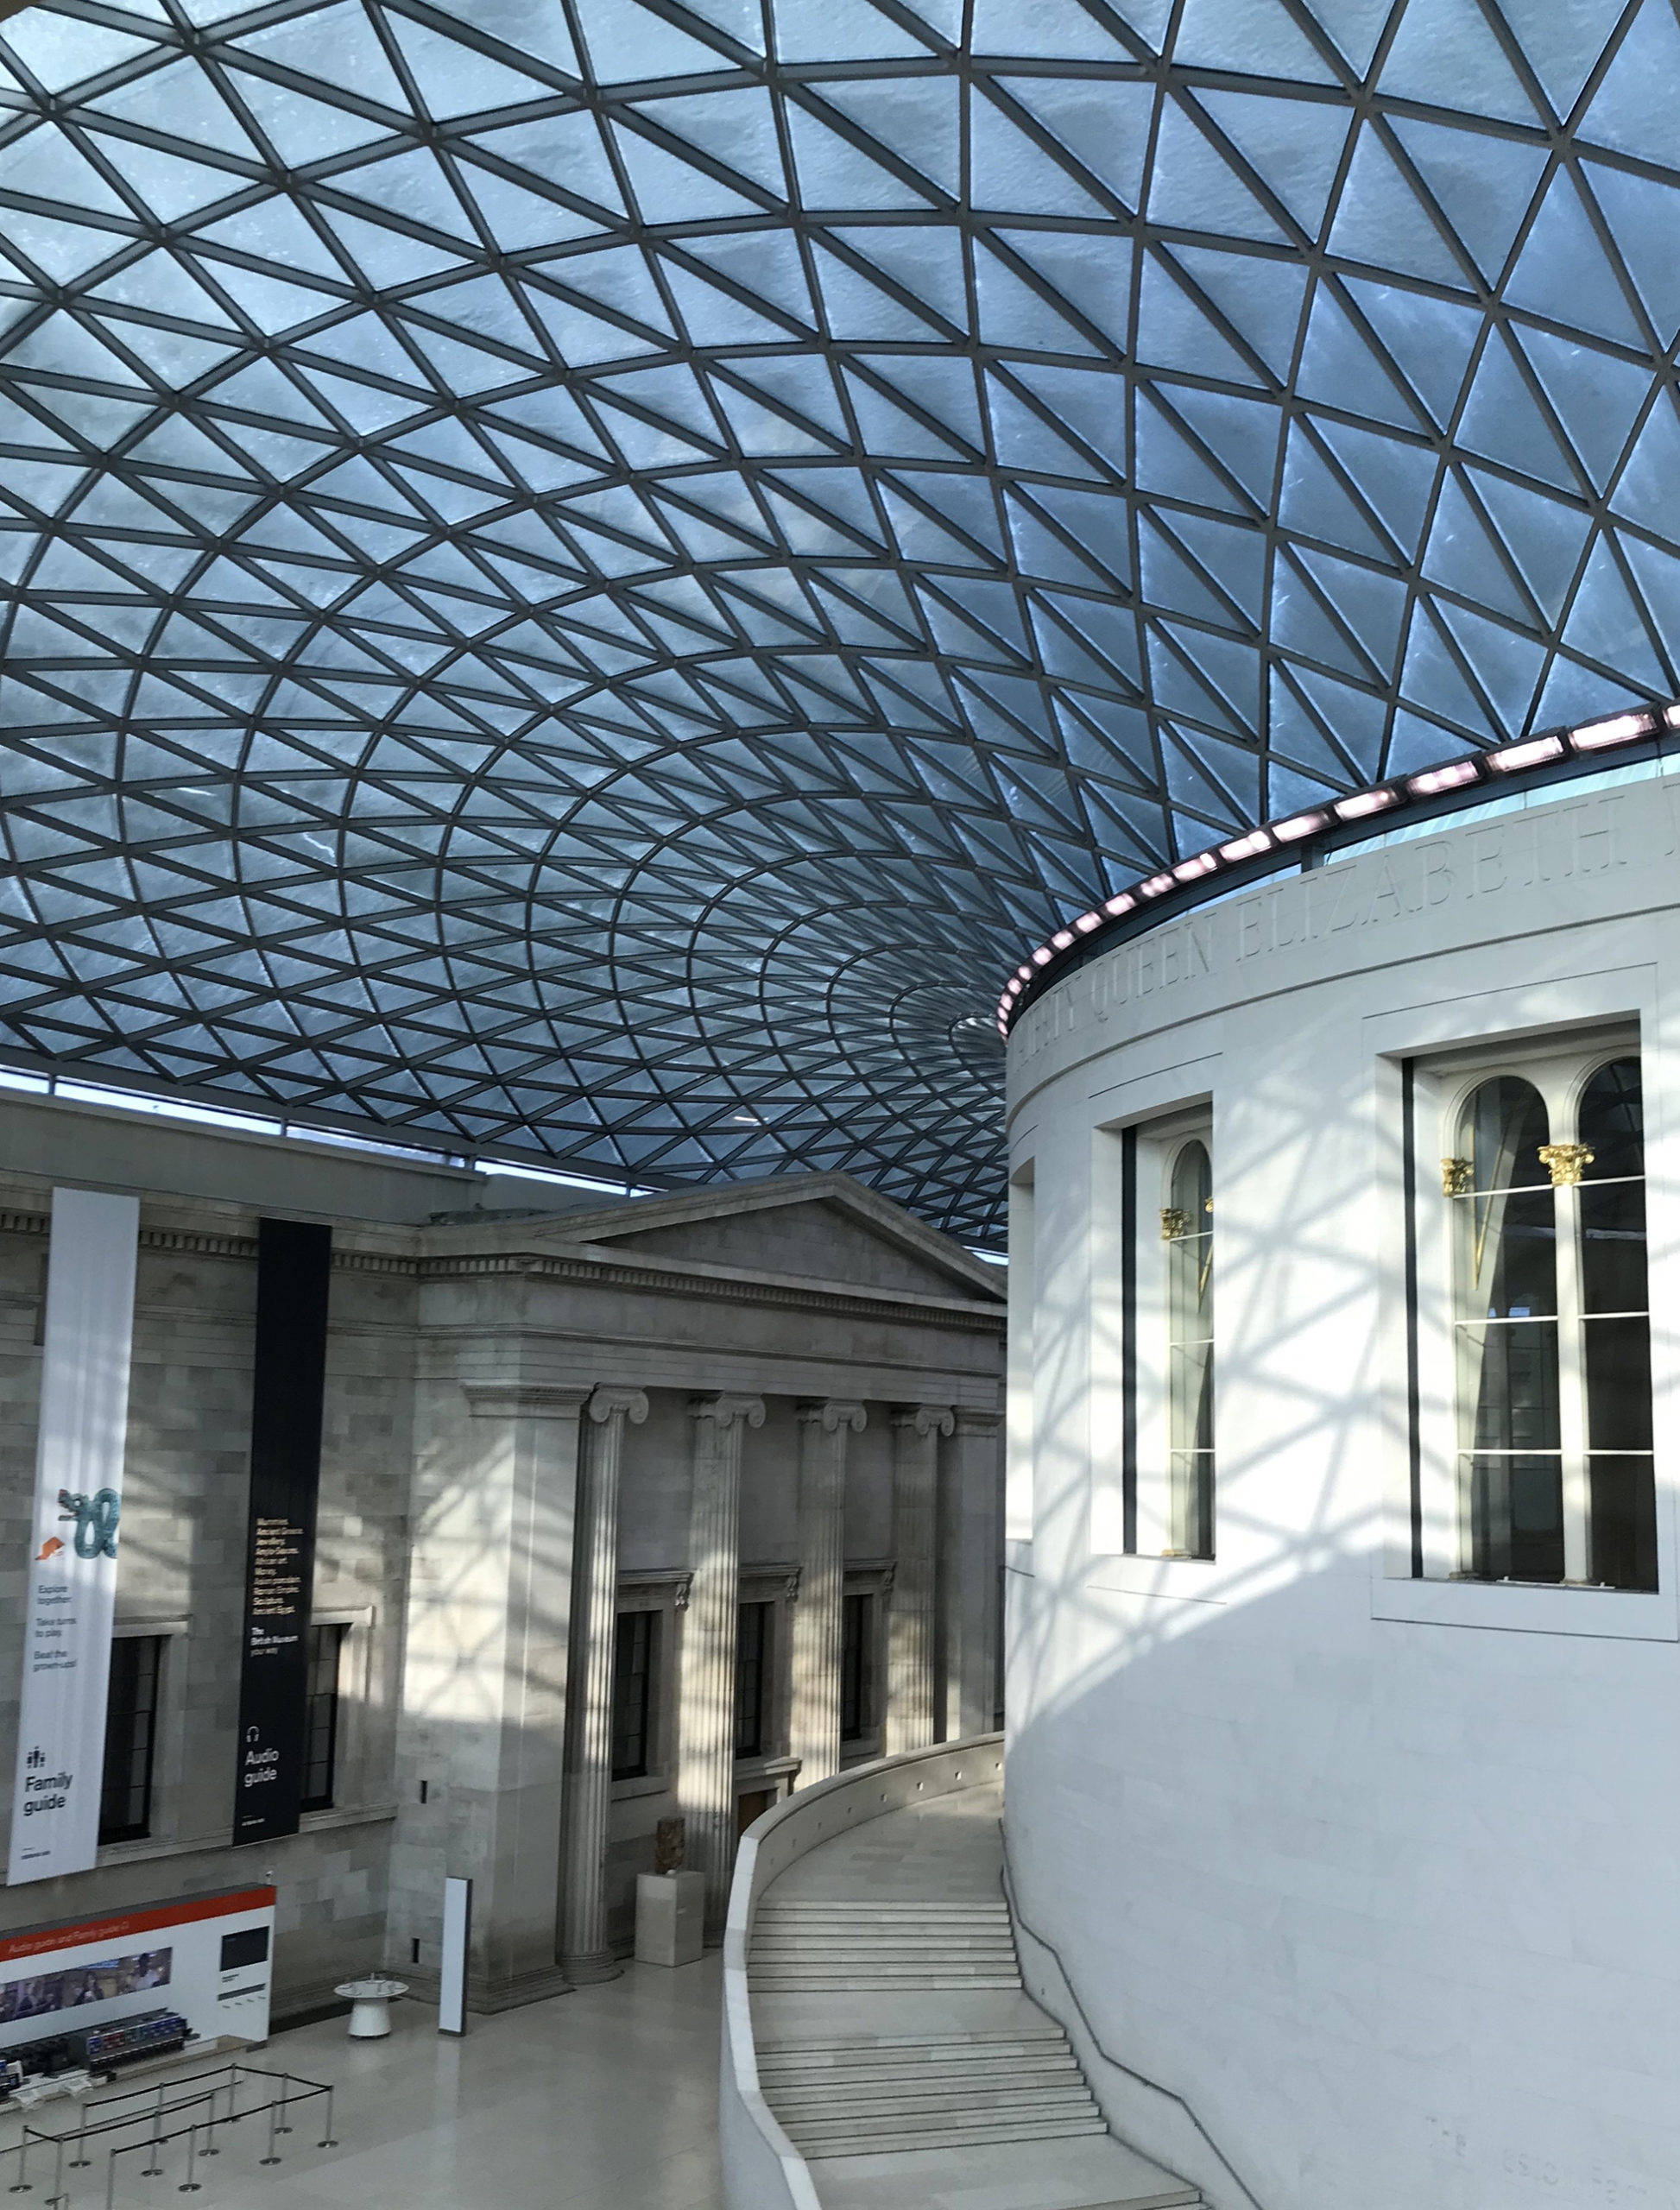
(634, 1646)
(320, 1756)
(125, 1795)
(856, 1668)
(752, 1648)
(1616, 1328)
(1190, 1334)
(1505, 1267)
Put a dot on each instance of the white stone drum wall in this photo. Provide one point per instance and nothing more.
(1377, 1877)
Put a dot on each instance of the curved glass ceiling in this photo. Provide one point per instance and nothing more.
(587, 576)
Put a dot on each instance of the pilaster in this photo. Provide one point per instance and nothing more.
(910, 1715)
(814, 1730)
(705, 1770)
(484, 1677)
(971, 1566)
(584, 1951)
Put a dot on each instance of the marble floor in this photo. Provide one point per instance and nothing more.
(602, 2099)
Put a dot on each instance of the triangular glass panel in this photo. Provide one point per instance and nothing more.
(926, 262)
(1195, 188)
(1257, 37)
(564, 149)
(1340, 369)
(918, 119)
(1379, 219)
(1483, 184)
(1645, 493)
(274, 230)
(1259, 294)
(1094, 275)
(765, 262)
(1167, 462)
(1040, 551)
(1564, 274)
(1502, 422)
(737, 129)
(1645, 74)
(1605, 625)
(1314, 503)
(617, 278)
(1061, 30)
(1561, 44)
(1429, 340)
(1371, 602)
(1174, 332)
(1234, 558)
(181, 101)
(858, 310)
(1394, 476)
(1433, 679)
(712, 316)
(1597, 397)
(1462, 556)
(532, 27)
(1506, 665)
(1658, 575)
(1103, 124)
(455, 79)
(670, 190)
(42, 164)
(1168, 581)
(59, 52)
(939, 385)
(803, 383)
(629, 44)
(1295, 146)
(1545, 536)
(1642, 215)
(410, 184)
(835, 173)
(1008, 172)
(1446, 55)
(1016, 317)
(300, 129)
(1243, 433)
(842, 30)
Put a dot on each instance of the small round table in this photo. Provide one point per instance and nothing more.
(370, 2002)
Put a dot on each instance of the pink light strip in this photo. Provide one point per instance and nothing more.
(1590, 737)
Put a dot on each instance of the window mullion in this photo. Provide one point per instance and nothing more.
(1571, 1390)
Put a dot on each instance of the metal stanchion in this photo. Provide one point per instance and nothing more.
(271, 2158)
(58, 2195)
(19, 2185)
(284, 2098)
(190, 2185)
(329, 2142)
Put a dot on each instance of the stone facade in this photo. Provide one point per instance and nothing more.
(476, 1356)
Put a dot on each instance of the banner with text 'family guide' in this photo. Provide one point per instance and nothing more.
(89, 1338)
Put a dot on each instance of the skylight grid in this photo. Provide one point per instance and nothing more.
(589, 574)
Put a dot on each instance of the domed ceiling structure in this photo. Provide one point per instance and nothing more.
(582, 577)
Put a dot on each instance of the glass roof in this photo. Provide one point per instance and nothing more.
(585, 576)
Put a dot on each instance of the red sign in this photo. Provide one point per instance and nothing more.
(107, 1932)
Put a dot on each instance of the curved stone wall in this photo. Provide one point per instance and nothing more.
(1366, 1864)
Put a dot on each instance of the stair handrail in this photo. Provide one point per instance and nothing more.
(762, 2169)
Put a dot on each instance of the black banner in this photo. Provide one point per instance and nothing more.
(293, 1266)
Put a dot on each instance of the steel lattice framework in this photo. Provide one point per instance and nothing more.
(586, 574)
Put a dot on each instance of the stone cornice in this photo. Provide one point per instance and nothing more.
(617, 1272)
(524, 1400)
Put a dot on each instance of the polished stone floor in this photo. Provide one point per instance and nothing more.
(602, 2099)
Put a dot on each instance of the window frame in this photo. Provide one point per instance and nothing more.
(336, 1731)
(1559, 1066)
(158, 1644)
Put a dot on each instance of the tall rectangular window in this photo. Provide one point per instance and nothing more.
(635, 1653)
(125, 1795)
(1187, 1229)
(857, 1682)
(752, 1677)
(320, 1735)
(1551, 1329)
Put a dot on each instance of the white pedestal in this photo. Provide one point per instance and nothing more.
(670, 1917)
(370, 2004)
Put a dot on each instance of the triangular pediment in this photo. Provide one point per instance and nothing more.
(818, 1228)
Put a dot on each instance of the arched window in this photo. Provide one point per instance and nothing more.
(1551, 1329)
(1189, 1354)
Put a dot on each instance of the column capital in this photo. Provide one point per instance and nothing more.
(726, 1410)
(833, 1413)
(970, 1422)
(926, 1419)
(523, 1399)
(631, 1404)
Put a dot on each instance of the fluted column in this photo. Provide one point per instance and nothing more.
(971, 1563)
(910, 1668)
(705, 1768)
(824, 1431)
(584, 1952)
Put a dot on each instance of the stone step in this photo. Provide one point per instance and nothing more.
(834, 2078)
(1031, 2098)
(795, 2052)
(855, 2143)
(863, 1983)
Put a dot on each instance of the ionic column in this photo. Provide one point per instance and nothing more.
(583, 1948)
(971, 1563)
(825, 1430)
(910, 1652)
(705, 1766)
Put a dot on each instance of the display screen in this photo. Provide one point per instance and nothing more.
(249, 1946)
(40, 1993)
